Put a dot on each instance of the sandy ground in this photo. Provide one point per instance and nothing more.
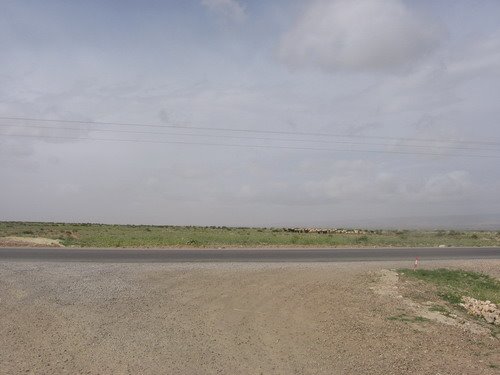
(72, 318)
(13, 241)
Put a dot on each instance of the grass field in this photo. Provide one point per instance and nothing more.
(453, 284)
(101, 235)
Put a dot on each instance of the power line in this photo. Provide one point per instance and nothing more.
(496, 143)
(247, 146)
(248, 137)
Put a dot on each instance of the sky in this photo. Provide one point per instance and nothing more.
(379, 113)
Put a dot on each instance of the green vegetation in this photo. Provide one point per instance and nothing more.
(441, 309)
(453, 284)
(100, 235)
(408, 319)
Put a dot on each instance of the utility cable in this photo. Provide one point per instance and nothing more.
(249, 137)
(249, 146)
(478, 142)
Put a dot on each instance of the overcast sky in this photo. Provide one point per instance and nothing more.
(337, 113)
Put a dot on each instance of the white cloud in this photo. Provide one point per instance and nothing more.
(359, 35)
(360, 180)
(229, 9)
(367, 182)
(480, 56)
(454, 184)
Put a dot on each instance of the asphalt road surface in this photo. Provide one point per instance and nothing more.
(242, 255)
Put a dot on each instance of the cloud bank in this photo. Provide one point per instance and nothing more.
(359, 35)
(228, 9)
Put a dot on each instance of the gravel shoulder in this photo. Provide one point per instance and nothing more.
(72, 318)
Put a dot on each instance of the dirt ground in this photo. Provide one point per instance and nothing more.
(330, 318)
(13, 241)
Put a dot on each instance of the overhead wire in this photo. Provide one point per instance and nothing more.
(250, 146)
(242, 130)
(322, 141)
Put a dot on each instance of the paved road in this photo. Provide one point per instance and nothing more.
(241, 255)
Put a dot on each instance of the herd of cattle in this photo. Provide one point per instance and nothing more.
(328, 231)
